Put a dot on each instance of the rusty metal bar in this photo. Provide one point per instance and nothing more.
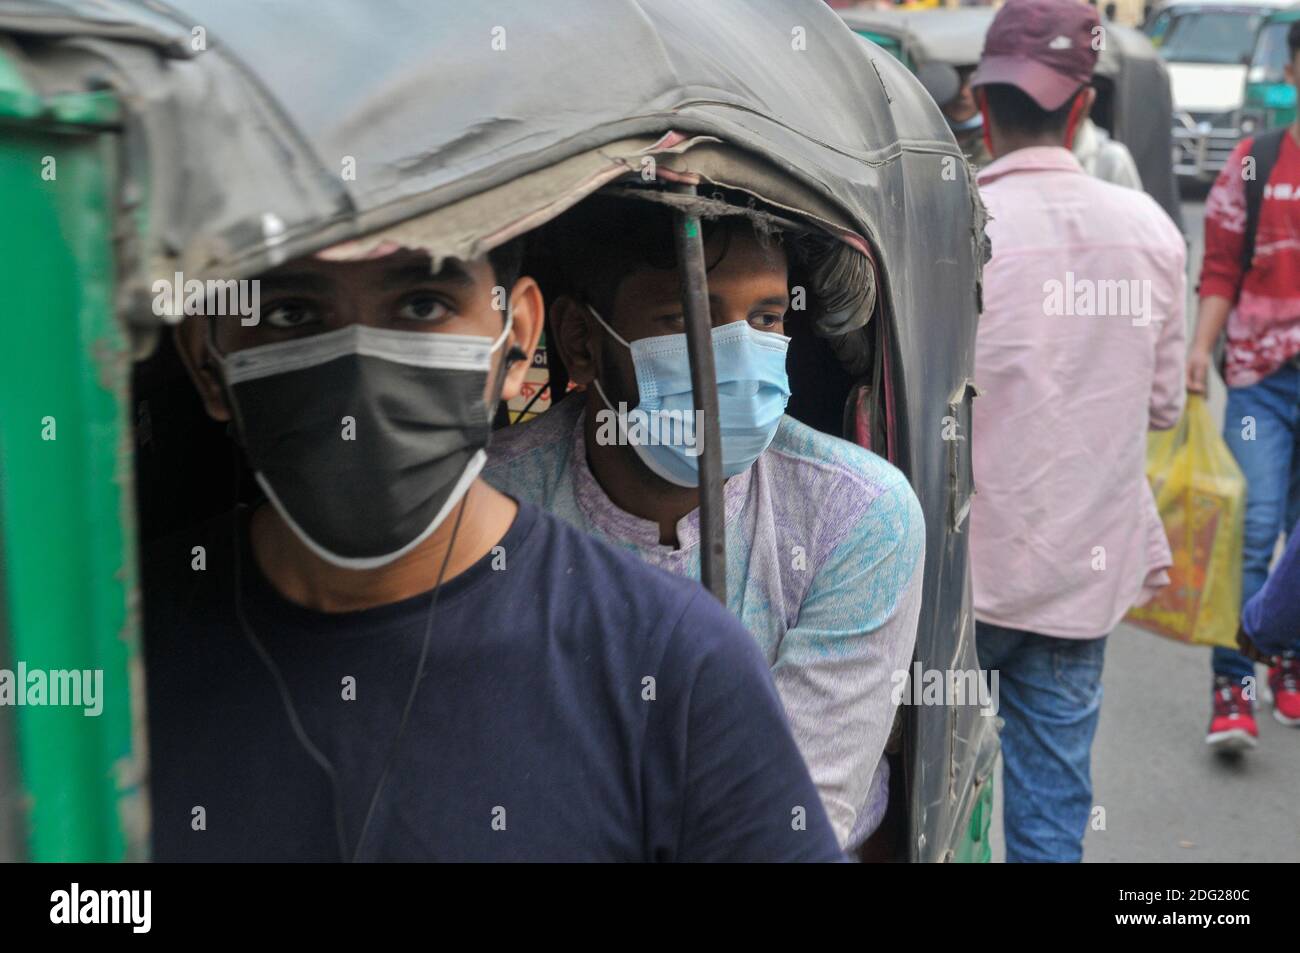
(689, 240)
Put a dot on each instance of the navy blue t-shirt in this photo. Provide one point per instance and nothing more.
(577, 704)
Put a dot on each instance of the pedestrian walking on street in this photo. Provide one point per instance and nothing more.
(1079, 352)
(1250, 287)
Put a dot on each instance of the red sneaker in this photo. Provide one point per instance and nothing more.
(1233, 726)
(1284, 683)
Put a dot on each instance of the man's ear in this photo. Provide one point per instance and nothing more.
(575, 338)
(190, 339)
(527, 311)
(1289, 72)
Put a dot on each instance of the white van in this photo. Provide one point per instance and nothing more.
(1207, 47)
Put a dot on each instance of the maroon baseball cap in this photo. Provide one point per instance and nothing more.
(1048, 48)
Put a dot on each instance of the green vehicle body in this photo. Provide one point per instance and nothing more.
(890, 45)
(73, 787)
(67, 541)
(1269, 101)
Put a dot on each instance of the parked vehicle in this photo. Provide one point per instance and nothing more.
(1207, 47)
(1270, 101)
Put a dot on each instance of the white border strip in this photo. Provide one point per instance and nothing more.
(462, 486)
(453, 352)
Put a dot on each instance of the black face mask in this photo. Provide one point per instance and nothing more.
(364, 438)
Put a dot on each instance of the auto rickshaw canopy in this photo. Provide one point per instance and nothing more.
(251, 147)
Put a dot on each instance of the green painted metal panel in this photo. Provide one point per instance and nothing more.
(888, 43)
(66, 513)
(974, 847)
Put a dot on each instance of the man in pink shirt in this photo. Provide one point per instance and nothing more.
(1080, 350)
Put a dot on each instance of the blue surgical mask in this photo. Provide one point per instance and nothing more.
(967, 125)
(753, 390)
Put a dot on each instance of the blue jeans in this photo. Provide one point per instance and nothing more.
(1271, 464)
(1049, 697)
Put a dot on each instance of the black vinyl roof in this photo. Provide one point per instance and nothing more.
(436, 100)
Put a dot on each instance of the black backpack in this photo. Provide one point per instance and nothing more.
(1264, 149)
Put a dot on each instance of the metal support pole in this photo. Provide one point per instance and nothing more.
(689, 240)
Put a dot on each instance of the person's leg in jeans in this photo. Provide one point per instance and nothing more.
(1049, 697)
(995, 648)
(1266, 462)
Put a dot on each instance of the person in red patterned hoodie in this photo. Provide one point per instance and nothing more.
(1250, 284)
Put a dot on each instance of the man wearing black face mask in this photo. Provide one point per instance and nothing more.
(387, 659)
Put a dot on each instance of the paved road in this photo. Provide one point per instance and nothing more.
(1166, 798)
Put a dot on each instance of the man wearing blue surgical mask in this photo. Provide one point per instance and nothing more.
(385, 658)
(825, 540)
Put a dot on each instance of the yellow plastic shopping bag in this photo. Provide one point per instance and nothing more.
(1201, 495)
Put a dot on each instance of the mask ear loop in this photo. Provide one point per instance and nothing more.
(510, 323)
(504, 369)
(595, 381)
(217, 363)
(610, 331)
